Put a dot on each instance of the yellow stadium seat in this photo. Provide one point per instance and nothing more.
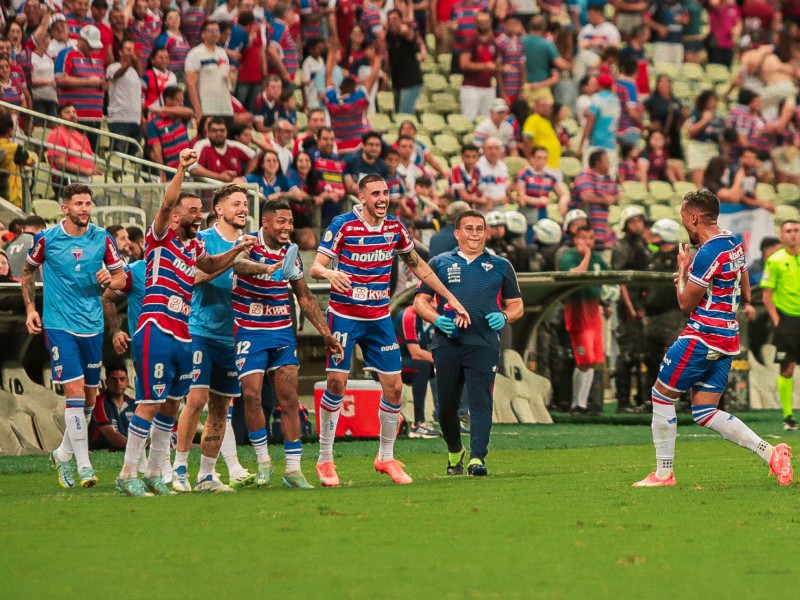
(571, 167)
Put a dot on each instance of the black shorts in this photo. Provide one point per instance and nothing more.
(787, 339)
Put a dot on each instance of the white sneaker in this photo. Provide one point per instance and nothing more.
(241, 478)
(212, 484)
(180, 480)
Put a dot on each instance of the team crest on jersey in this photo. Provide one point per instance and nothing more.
(328, 236)
(77, 253)
(195, 374)
(487, 266)
(389, 237)
(59, 369)
(159, 388)
(240, 363)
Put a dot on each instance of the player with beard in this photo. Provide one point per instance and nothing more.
(79, 260)
(710, 289)
(214, 379)
(365, 242)
(162, 343)
(265, 339)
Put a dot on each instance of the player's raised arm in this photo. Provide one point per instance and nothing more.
(310, 307)
(340, 282)
(162, 221)
(242, 265)
(211, 263)
(424, 273)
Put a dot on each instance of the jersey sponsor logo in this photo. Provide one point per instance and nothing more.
(710, 272)
(183, 267)
(94, 365)
(487, 266)
(176, 304)
(394, 346)
(77, 253)
(454, 274)
(259, 310)
(186, 376)
(362, 293)
(374, 256)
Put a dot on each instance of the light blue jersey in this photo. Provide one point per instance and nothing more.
(212, 314)
(606, 110)
(70, 264)
(134, 289)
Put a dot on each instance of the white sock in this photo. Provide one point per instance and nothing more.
(138, 432)
(328, 419)
(581, 387)
(389, 415)
(732, 429)
(228, 448)
(293, 451)
(665, 430)
(259, 440)
(181, 459)
(78, 434)
(159, 444)
(207, 464)
(64, 451)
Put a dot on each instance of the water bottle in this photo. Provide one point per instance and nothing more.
(450, 313)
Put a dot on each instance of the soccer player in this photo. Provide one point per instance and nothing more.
(214, 379)
(365, 242)
(781, 285)
(710, 289)
(162, 343)
(265, 339)
(78, 261)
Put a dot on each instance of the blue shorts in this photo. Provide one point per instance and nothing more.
(256, 353)
(690, 364)
(377, 340)
(163, 366)
(73, 357)
(214, 366)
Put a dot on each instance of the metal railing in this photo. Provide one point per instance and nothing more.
(121, 176)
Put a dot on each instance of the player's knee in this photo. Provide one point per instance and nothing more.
(218, 406)
(337, 387)
(393, 389)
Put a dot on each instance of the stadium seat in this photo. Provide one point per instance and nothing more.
(459, 124)
(633, 192)
(692, 72)
(119, 215)
(554, 213)
(661, 191)
(571, 167)
(398, 118)
(664, 68)
(433, 123)
(718, 73)
(659, 211)
(572, 126)
(379, 122)
(515, 164)
(49, 210)
(444, 103)
(433, 82)
(448, 144)
(424, 138)
(765, 191)
(682, 188)
(456, 80)
(785, 212)
(386, 102)
(788, 193)
(302, 120)
(445, 61)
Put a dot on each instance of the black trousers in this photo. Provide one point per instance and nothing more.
(459, 365)
(417, 373)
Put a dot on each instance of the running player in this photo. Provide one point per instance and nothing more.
(365, 242)
(79, 259)
(214, 379)
(162, 344)
(265, 339)
(710, 289)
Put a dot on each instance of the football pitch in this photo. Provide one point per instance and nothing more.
(556, 518)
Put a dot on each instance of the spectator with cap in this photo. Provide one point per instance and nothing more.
(444, 240)
(538, 131)
(18, 249)
(496, 125)
(480, 62)
(597, 191)
(80, 79)
(602, 123)
(59, 36)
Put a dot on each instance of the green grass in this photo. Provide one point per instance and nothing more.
(556, 518)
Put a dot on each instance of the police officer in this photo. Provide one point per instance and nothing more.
(499, 241)
(469, 356)
(663, 317)
(630, 254)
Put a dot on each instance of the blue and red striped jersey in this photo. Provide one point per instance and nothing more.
(169, 282)
(171, 134)
(75, 24)
(590, 182)
(464, 14)
(144, 34)
(470, 183)
(366, 254)
(539, 185)
(281, 35)
(513, 54)
(192, 19)
(348, 117)
(88, 101)
(719, 266)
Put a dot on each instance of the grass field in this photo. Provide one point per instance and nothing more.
(556, 518)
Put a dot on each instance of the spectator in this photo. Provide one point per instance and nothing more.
(174, 41)
(726, 23)
(655, 164)
(268, 107)
(535, 184)
(193, 16)
(313, 65)
(283, 134)
(593, 40)
(634, 51)
(124, 97)
(421, 155)
(220, 158)
(480, 61)
(494, 176)
(409, 170)
(542, 61)
(512, 55)
(142, 27)
(444, 240)
(496, 125)
(759, 17)
(583, 318)
(628, 15)
(166, 132)
(768, 247)
(602, 123)
(329, 165)
(365, 162)
(500, 241)
(253, 62)
(667, 20)
(306, 141)
(69, 150)
(120, 235)
(117, 21)
(395, 182)
(226, 12)
(463, 16)
(667, 114)
(465, 179)
(18, 249)
(306, 178)
(136, 238)
(289, 59)
(5, 269)
(12, 157)
(78, 18)
(11, 91)
(347, 106)
(112, 412)
(597, 191)
(208, 76)
(745, 119)
(693, 41)
(628, 168)
(80, 80)
(271, 180)
(402, 45)
(630, 119)
(59, 36)
(156, 79)
(43, 77)
(99, 11)
(538, 130)
(704, 127)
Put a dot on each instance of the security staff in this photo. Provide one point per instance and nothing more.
(781, 285)
(469, 356)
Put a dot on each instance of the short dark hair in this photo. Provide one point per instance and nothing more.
(405, 137)
(35, 221)
(73, 189)
(274, 206)
(208, 23)
(244, 19)
(171, 92)
(536, 149)
(582, 229)
(116, 365)
(749, 150)
(703, 202)
(466, 214)
(135, 234)
(370, 178)
(6, 123)
(767, 242)
(226, 191)
(370, 135)
(470, 148)
(390, 152)
(746, 96)
(595, 158)
(183, 195)
(216, 121)
(788, 221)
(113, 230)
(424, 181)
(101, 4)
(63, 107)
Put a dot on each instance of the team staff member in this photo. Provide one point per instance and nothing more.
(469, 356)
(781, 285)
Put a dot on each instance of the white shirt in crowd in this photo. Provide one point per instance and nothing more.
(124, 95)
(487, 129)
(43, 68)
(213, 69)
(311, 66)
(495, 178)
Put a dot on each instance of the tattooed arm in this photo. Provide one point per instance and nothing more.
(33, 321)
(310, 307)
(243, 265)
(426, 275)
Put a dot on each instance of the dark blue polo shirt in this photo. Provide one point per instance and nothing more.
(356, 167)
(478, 285)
